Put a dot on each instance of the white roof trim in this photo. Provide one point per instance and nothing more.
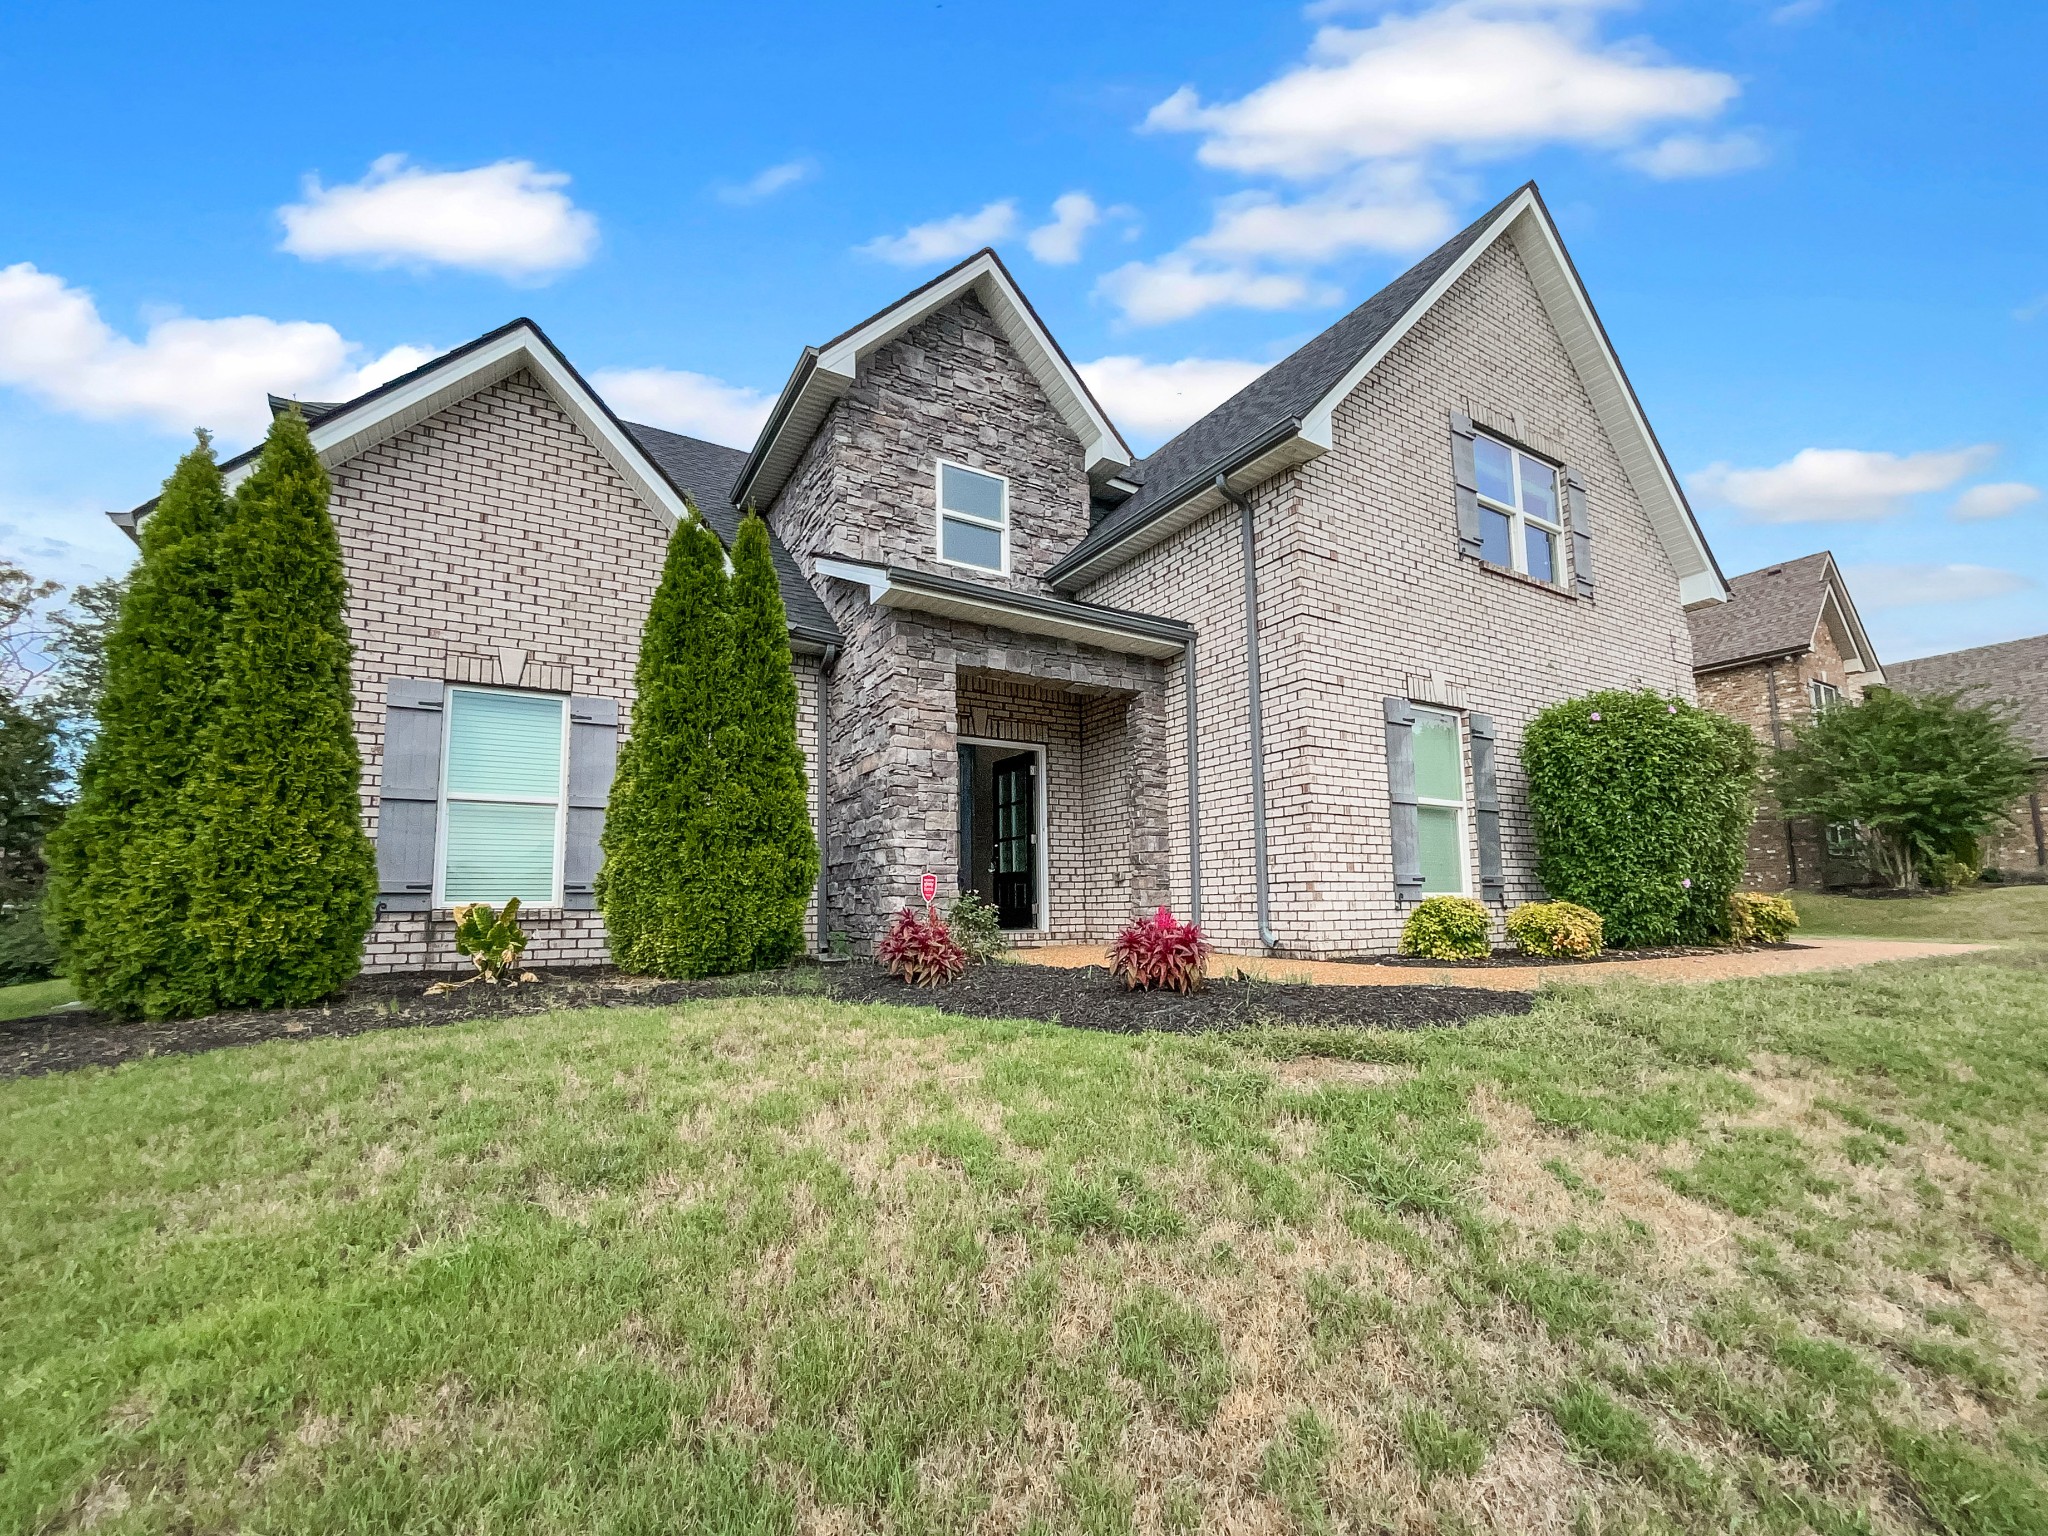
(1863, 662)
(1571, 313)
(352, 431)
(789, 432)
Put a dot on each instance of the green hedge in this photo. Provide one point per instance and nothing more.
(1641, 806)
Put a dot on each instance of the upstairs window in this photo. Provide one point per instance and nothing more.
(502, 798)
(1520, 525)
(974, 518)
(1440, 802)
(1825, 696)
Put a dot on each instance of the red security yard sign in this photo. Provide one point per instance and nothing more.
(928, 888)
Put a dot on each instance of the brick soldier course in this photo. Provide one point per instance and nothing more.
(502, 528)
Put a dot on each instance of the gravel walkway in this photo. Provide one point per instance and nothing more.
(1808, 954)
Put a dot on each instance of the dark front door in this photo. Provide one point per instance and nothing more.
(1015, 865)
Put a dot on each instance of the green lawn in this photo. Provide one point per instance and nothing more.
(1763, 1256)
(33, 997)
(1979, 913)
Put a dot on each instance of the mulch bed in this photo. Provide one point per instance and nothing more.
(1515, 959)
(1084, 999)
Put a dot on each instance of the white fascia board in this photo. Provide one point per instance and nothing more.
(874, 577)
(1571, 313)
(1865, 658)
(349, 433)
(884, 592)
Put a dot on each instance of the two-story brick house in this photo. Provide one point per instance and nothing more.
(1275, 674)
(1787, 645)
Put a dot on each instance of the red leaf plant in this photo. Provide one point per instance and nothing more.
(919, 948)
(1157, 951)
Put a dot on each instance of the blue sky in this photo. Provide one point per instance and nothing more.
(1816, 230)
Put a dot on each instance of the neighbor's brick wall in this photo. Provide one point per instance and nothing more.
(493, 526)
(1362, 589)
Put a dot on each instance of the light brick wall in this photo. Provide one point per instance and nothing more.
(1362, 590)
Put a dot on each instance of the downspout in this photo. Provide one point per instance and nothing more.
(1258, 744)
(1187, 672)
(1778, 740)
(825, 666)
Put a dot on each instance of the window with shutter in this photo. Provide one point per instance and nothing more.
(1440, 803)
(1520, 521)
(503, 795)
(1402, 811)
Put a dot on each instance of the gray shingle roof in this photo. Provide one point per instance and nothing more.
(2016, 672)
(1283, 394)
(705, 472)
(1772, 612)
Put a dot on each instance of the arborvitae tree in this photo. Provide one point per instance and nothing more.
(763, 825)
(283, 878)
(120, 881)
(658, 888)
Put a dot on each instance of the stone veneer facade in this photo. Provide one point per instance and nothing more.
(1363, 596)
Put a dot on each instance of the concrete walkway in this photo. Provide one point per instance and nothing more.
(1814, 954)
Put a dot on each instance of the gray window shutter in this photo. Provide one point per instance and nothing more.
(1401, 799)
(1486, 808)
(408, 801)
(1466, 474)
(1582, 531)
(593, 753)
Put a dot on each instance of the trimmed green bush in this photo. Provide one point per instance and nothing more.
(1448, 928)
(120, 889)
(1555, 928)
(284, 883)
(1765, 919)
(655, 890)
(1641, 805)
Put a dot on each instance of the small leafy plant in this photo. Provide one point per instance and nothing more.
(1555, 928)
(977, 925)
(1160, 951)
(919, 948)
(493, 942)
(1448, 928)
(1756, 918)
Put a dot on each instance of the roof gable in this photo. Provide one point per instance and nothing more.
(1779, 611)
(1284, 416)
(826, 372)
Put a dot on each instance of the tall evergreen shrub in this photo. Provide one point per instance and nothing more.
(283, 879)
(658, 887)
(762, 819)
(1642, 808)
(120, 883)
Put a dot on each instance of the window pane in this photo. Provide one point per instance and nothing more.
(971, 544)
(1496, 465)
(1542, 549)
(1539, 489)
(496, 851)
(1493, 537)
(1443, 854)
(1439, 765)
(962, 490)
(504, 744)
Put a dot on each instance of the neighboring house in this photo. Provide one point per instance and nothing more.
(2015, 673)
(1786, 645)
(1023, 654)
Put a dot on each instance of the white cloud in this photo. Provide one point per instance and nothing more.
(1798, 10)
(510, 219)
(1155, 400)
(1834, 485)
(184, 373)
(946, 239)
(1470, 77)
(1177, 286)
(1383, 209)
(1687, 155)
(1908, 586)
(2033, 310)
(1058, 244)
(692, 403)
(765, 184)
(1981, 501)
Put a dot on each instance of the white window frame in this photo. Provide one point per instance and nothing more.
(1462, 805)
(1520, 519)
(1822, 695)
(441, 807)
(940, 514)
(1043, 927)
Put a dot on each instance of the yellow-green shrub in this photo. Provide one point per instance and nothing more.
(1753, 916)
(1448, 928)
(1555, 928)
